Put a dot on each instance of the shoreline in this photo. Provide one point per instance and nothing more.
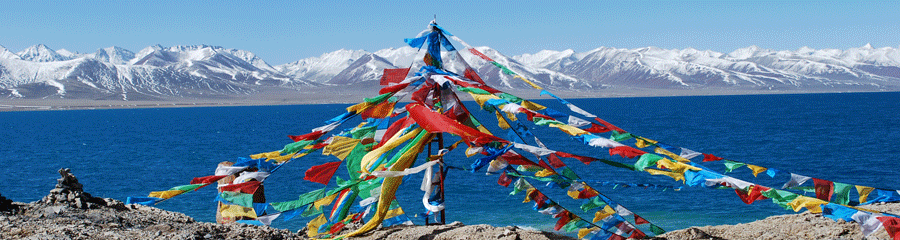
(262, 99)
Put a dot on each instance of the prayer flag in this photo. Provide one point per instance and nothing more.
(245, 187)
(322, 173)
(710, 158)
(639, 220)
(207, 179)
(656, 229)
(841, 193)
(395, 75)
(756, 169)
(863, 192)
(891, 225)
(796, 180)
(564, 218)
(732, 165)
(309, 136)
(626, 151)
(824, 189)
(752, 194)
(504, 179)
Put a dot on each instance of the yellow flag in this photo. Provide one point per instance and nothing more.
(312, 227)
(532, 106)
(393, 213)
(280, 159)
(501, 122)
(511, 116)
(643, 142)
(234, 211)
(266, 155)
(359, 107)
(544, 173)
(369, 159)
(528, 195)
(340, 147)
(663, 151)
(166, 194)
(481, 98)
(756, 169)
(528, 82)
(863, 192)
(585, 231)
(675, 166)
(813, 204)
(673, 175)
(324, 201)
(603, 213)
(574, 131)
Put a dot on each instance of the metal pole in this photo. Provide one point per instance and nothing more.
(440, 183)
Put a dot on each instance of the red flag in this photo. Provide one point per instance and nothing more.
(336, 228)
(319, 145)
(609, 125)
(755, 193)
(516, 159)
(597, 128)
(245, 187)
(532, 114)
(392, 88)
(637, 234)
(479, 54)
(564, 218)
(554, 161)
(892, 226)
(824, 189)
(207, 179)
(471, 74)
(639, 220)
(435, 122)
(322, 173)
(710, 158)
(626, 151)
(504, 180)
(393, 75)
(585, 160)
(587, 193)
(540, 200)
(309, 136)
(393, 129)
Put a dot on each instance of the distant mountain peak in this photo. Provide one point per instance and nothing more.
(40, 53)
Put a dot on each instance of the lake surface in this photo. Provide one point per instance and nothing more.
(845, 137)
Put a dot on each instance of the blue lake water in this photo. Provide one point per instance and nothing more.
(846, 137)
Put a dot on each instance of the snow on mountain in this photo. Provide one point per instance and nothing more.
(323, 68)
(153, 73)
(369, 67)
(6, 54)
(41, 53)
(751, 67)
(114, 55)
(203, 71)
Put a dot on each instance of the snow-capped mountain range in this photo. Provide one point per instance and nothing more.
(202, 71)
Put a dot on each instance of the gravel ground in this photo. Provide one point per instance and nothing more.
(69, 213)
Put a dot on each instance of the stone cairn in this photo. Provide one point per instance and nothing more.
(7, 205)
(69, 192)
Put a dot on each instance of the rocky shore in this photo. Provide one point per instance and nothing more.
(68, 212)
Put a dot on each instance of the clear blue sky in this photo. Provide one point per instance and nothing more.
(286, 31)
